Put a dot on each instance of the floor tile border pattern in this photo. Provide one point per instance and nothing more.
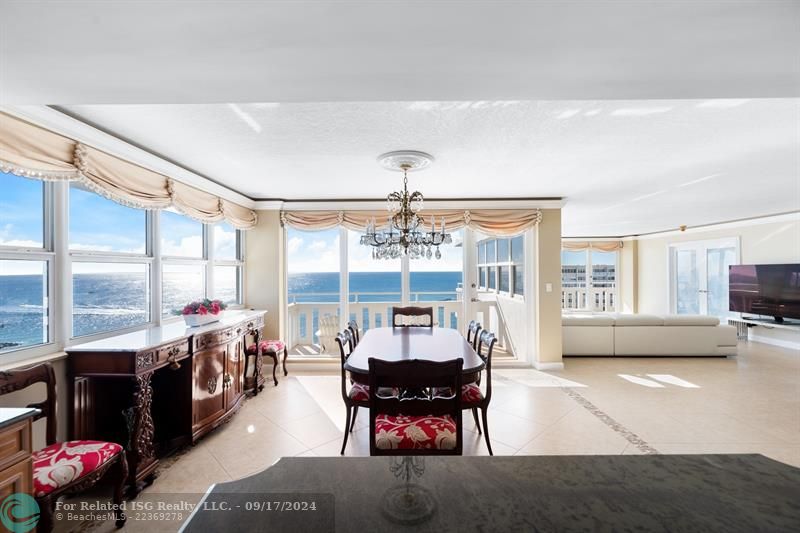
(606, 419)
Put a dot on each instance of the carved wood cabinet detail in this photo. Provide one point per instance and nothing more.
(157, 390)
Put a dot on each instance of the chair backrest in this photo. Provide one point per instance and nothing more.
(414, 317)
(353, 327)
(422, 376)
(14, 380)
(345, 341)
(473, 330)
(486, 342)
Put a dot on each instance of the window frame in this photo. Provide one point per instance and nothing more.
(492, 269)
(46, 254)
(589, 279)
(58, 257)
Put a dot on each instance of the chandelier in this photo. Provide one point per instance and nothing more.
(406, 232)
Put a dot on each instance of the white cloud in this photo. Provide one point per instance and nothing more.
(187, 247)
(318, 246)
(294, 244)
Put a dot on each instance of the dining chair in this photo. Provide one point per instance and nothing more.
(472, 397)
(472, 333)
(70, 467)
(424, 424)
(414, 317)
(354, 395)
(353, 327)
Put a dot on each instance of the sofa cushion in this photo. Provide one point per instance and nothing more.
(588, 320)
(690, 320)
(639, 320)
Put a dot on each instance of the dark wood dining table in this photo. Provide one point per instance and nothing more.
(406, 343)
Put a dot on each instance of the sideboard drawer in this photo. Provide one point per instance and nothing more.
(15, 443)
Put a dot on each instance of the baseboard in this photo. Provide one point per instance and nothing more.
(775, 342)
(548, 366)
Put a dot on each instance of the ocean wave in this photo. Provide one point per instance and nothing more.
(107, 311)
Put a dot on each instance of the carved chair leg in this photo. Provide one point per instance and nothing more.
(346, 433)
(285, 355)
(46, 509)
(486, 431)
(120, 475)
(355, 414)
(274, 366)
(475, 416)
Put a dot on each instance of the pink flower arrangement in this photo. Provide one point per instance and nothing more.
(204, 307)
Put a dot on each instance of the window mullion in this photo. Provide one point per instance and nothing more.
(156, 273)
(208, 234)
(61, 297)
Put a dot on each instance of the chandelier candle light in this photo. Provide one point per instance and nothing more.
(406, 233)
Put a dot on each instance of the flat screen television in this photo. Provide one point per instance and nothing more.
(767, 290)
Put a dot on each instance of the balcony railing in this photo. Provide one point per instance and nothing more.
(592, 299)
(369, 309)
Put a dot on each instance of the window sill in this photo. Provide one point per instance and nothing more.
(29, 360)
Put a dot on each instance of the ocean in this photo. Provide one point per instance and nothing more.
(107, 302)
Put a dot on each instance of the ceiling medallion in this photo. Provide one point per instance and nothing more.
(405, 233)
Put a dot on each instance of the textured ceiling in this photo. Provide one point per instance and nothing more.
(182, 51)
(624, 167)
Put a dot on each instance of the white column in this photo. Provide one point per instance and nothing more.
(470, 259)
(61, 311)
(156, 276)
(344, 281)
(528, 352)
(405, 281)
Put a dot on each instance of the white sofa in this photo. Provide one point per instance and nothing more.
(646, 335)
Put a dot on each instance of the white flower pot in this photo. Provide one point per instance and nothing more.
(201, 320)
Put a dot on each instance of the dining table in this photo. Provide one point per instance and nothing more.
(407, 343)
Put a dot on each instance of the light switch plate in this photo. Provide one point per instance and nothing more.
(548, 287)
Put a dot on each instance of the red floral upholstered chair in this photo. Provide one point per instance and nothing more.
(472, 397)
(270, 348)
(63, 468)
(421, 423)
(354, 395)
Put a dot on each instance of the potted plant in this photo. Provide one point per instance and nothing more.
(201, 312)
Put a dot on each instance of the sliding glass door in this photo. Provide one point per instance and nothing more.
(699, 276)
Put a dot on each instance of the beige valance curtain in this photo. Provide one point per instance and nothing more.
(602, 246)
(33, 152)
(498, 222)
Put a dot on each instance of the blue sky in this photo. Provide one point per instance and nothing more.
(318, 251)
(97, 224)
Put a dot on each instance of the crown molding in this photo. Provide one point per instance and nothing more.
(793, 216)
(372, 205)
(58, 122)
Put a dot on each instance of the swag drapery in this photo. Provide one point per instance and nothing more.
(601, 246)
(33, 152)
(497, 222)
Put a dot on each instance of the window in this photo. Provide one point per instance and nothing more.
(518, 264)
(438, 281)
(23, 304)
(181, 236)
(181, 283)
(183, 267)
(588, 280)
(227, 264)
(101, 225)
(501, 265)
(26, 263)
(109, 296)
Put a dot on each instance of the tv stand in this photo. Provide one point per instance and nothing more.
(743, 323)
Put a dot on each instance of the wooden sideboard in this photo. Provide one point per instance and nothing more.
(16, 466)
(160, 388)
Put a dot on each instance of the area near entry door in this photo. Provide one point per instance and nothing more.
(699, 276)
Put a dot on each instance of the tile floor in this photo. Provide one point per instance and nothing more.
(746, 404)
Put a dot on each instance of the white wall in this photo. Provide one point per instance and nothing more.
(774, 242)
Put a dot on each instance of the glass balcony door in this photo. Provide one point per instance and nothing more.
(699, 276)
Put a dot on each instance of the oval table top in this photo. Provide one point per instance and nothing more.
(403, 344)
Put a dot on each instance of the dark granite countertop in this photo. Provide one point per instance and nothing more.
(668, 493)
(10, 415)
